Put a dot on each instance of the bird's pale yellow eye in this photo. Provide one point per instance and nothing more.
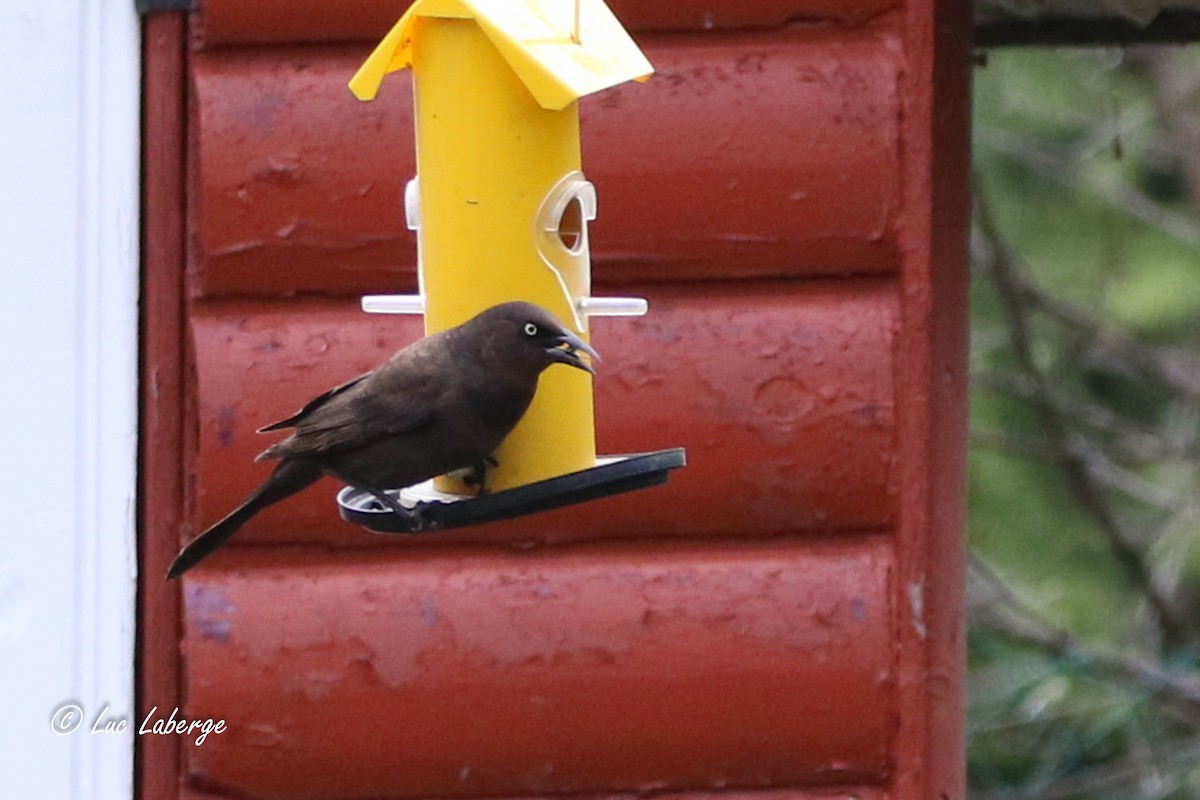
(531, 329)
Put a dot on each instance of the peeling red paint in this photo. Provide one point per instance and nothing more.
(764, 384)
(587, 669)
(748, 187)
(784, 615)
(291, 21)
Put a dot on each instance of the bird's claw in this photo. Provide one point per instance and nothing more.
(417, 517)
(477, 477)
(421, 520)
(386, 501)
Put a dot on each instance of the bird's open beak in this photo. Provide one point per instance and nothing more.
(566, 351)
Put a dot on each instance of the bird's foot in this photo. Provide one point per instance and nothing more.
(385, 500)
(478, 475)
(421, 519)
(417, 517)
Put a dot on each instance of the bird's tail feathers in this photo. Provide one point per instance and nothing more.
(290, 476)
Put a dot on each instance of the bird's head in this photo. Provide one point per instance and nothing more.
(530, 335)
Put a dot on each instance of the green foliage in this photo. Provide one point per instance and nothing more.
(1084, 470)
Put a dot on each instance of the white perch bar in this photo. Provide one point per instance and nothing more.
(613, 306)
(393, 304)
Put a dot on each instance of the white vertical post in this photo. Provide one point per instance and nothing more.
(69, 166)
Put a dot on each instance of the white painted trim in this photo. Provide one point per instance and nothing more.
(69, 173)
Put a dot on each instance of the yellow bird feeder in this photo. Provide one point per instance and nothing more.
(500, 204)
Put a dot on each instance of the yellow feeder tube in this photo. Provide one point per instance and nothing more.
(488, 156)
(501, 207)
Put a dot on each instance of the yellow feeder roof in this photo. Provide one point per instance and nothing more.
(535, 37)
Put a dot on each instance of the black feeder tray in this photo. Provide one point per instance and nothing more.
(427, 510)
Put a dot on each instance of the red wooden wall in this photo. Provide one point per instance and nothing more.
(783, 619)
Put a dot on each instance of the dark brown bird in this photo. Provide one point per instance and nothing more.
(441, 404)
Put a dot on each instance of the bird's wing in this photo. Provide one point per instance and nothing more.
(346, 426)
(312, 405)
(400, 397)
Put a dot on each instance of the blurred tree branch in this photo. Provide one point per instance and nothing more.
(1084, 473)
(1172, 88)
(1177, 370)
(1121, 778)
(1092, 208)
(1062, 167)
(997, 606)
(1131, 440)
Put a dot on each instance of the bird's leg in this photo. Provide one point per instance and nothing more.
(478, 474)
(422, 521)
(417, 517)
(385, 500)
